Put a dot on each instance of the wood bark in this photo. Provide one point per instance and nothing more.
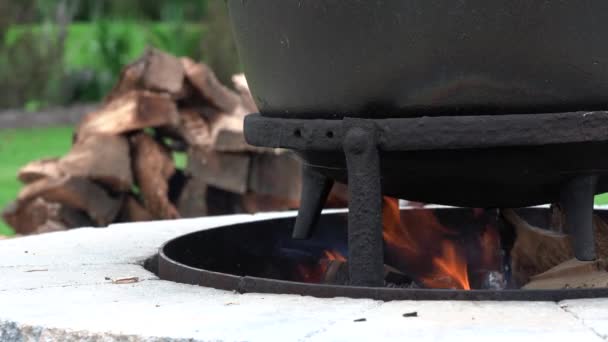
(102, 158)
(208, 87)
(75, 192)
(153, 167)
(39, 169)
(132, 111)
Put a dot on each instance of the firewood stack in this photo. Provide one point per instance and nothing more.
(121, 167)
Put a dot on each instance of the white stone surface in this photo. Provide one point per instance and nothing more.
(58, 287)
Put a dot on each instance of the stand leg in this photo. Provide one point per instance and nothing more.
(365, 246)
(577, 202)
(315, 190)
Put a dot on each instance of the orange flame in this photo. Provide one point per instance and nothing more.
(440, 265)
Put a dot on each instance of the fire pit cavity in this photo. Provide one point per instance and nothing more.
(262, 257)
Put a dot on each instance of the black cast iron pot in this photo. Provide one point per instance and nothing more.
(397, 58)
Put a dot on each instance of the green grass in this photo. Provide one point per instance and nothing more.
(20, 146)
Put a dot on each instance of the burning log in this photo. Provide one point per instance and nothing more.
(336, 273)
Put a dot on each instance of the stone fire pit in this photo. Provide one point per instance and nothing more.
(90, 284)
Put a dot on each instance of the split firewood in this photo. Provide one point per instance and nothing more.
(194, 129)
(535, 250)
(226, 171)
(193, 199)
(601, 237)
(572, 274)
(208, 87)
(133, 111)
(133, 211)
(130, 80)
(284, 184)
(155, 70)
(75, 192)
(163, 72)
(102, 158)
(234, 141)
(39, 169)
(153, 167)
(74, 218)
(27, 217)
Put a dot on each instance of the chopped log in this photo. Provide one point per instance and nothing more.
(130, 80)
(51, 226)
(601, 237)
(193, 129)
(74, 218)
(39, 169)
(234, 141)
(133, 111)
(163, 72)
(26, 218)
(153, 166)
(75, 192)
(133, 211)
(208, 87)
(193, 199)
(277, 175)
(102, 158)
(535, 250)
(226, 171)
(571, 274)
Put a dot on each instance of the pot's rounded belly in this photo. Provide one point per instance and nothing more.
(388, 58)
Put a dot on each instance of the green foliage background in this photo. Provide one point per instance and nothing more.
(56, 52)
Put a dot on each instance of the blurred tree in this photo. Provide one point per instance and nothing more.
(53, 52)
(32, 66)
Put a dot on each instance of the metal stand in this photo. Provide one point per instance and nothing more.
(362, 139)
(577, 202)
(315, 190)
(365, 245)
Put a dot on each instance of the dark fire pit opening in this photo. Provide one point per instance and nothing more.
(262, 257)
